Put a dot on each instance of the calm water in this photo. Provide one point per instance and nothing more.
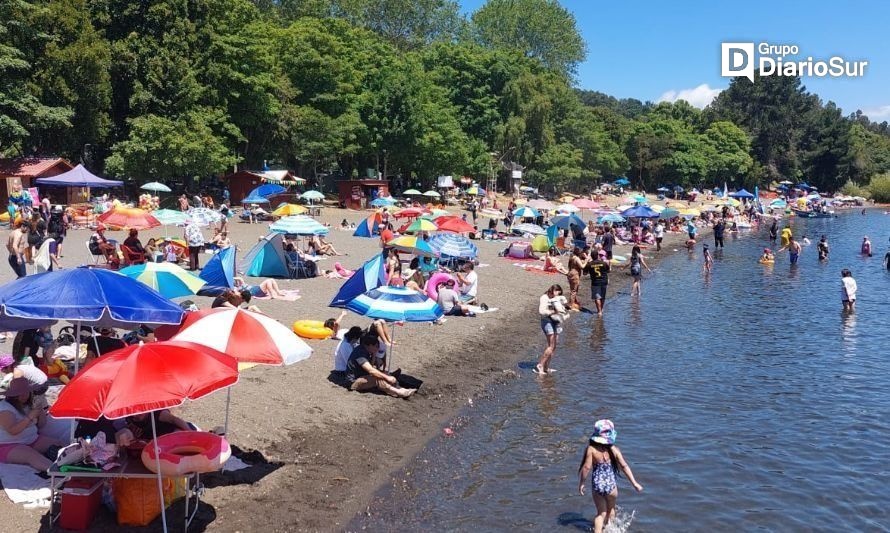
(743, 400)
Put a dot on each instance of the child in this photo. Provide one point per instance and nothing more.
(170, 251)
(603, 459)
(708, 259)
(767, 256)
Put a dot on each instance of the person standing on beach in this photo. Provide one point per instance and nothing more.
(577, 264)
(822, 249)
(551, 308)
(773, 231)
(659, 235)
(601, 462)
(848, 290)
(691, 229)
(16, 244)
(599, 280)
(608, 242)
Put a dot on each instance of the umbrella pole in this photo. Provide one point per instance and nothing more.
(392, 349)
(154, 434)
(76, 368)
(226, 426)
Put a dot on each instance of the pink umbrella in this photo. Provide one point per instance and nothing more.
(585, 203)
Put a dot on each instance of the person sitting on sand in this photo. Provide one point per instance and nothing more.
(344, 348)
(268, 288)
(344, 225)
(333, 324)
(414, 280)
(152, 252)
(469, 283)
(322, 247)
(21, 422)
(450, 303)
(364, 376)
(234, 299)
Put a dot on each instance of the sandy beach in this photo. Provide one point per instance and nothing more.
(318, 451)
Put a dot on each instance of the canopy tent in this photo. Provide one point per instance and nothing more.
(369, 276)
(369, 227)
(78, 177)
(266, 258)
(622, 182)
(219, 273)
(741, 193)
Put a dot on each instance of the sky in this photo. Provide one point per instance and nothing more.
(659, 50)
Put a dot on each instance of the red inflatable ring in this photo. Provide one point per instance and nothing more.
(187, 452)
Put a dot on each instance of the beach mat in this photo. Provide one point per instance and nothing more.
(290, 295)
(23, 486)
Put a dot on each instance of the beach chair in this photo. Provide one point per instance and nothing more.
(562, 247)
(297, 268)
(96, 258)
(132, 257)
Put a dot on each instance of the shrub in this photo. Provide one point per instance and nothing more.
(854, 189)
(879, 187)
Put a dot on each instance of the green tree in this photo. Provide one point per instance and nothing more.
(405, 23)
(730, 159)
(541, 29)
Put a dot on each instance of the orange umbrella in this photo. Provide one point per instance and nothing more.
(129, 217)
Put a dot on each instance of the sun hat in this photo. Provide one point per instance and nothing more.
(17, 387)
(6, 360)
(604, 432)
(766, 250)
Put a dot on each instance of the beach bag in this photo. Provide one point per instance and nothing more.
(520, 250)
(137, 499)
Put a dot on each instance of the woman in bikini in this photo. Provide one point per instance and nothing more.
(603, 459)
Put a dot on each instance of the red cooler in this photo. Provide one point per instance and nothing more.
(81, 498)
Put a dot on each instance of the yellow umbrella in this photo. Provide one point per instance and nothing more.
(691, 211)
(732, 202)
(288, 210)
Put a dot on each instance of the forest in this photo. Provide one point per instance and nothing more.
(182, 89)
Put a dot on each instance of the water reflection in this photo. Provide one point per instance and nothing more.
(848, 332)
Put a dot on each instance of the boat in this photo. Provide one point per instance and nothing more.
(812, 214)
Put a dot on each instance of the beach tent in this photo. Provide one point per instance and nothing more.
(369, 227)
(78, 177)
(369, 276)
(219, 273)
(266, 258)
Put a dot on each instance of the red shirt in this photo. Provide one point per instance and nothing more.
(386, 235)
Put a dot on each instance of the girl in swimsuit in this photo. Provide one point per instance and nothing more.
(603, 459)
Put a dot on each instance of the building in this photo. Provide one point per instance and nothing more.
(357, 194)
(21, 172)
(242, 182)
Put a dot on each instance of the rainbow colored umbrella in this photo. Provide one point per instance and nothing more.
(421, 224)
(412, 245)
(169, 279)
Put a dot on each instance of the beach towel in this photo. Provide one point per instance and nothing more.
(22, 485)
(290, 295)
(479, 311)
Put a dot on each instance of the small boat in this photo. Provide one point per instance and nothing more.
(813, 214)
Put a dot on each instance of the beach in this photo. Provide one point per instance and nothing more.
(319, 451)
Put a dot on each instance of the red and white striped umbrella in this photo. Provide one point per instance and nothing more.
(247, 336)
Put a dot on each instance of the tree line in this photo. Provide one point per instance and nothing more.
(178, 89)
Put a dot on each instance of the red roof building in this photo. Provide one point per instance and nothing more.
(242, 182)
(23, 171)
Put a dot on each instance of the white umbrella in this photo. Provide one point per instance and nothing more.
(431, 194)
(155, 186)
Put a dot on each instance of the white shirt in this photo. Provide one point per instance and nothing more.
(26, 436)
(848, 289)
(472, 284)
(659, 230)
(341, 355)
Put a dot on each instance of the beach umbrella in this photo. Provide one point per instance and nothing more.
(622, 182)
(454, 225)
(657, 208)
(663, 189)
(370, 275)
(476, 190)
(669, 212)
(451, 245)
(312, 196)
(786, 182)
(432, 194)
(129, 217)
(690, 212)
(532, 229)
(732, 202)
(412, 245)
(778, 203)
(298, 225)
(421, 224)
(526, 212)
(382, 201)
(585, 203)
(489, 212)
(254, 198)
(741, 193)
(613, 218)
(541, 204)
(156, 187)
(289, 210)
(169, 217)
(567, 208)
(565, 221)
(640, 211)
(436, 213)
(268, 189)
(395, 304)
(412, 192)
(169, 279)
(409, 212)
(143, 378)
(204, 217)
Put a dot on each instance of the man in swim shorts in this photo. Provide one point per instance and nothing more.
(599, 280)
(793, 250)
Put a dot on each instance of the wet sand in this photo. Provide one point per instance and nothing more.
(320, 451)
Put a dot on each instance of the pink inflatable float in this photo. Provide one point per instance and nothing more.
(186, 452)
(432, 284)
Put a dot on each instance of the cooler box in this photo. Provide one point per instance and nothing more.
(81, 498)
(520, 250)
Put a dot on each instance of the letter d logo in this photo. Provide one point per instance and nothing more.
(737, 59)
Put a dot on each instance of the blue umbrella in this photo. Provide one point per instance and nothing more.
(255, 199)
(640, 211)
(451, 245)
(383, 202)
(298, 225)
(369, 276)
(565, 221)
(395, 304)
(741, 193)
(267, 189)
(622, 182)
(611, 217)
(526, 212)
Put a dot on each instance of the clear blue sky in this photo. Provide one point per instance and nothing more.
(647, 48)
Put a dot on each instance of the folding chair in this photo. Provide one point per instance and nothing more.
(95, 257)
(132, 257)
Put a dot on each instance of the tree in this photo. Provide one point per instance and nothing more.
(404, 23)
(729, 158)
(540, 29)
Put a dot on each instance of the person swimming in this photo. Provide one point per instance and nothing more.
(767, 256)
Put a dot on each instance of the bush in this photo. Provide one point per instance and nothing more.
(879, 187)
(854, 189)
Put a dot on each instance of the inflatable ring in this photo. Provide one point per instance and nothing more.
(312, 329)
(767, 261)
(432, 285)
(186, 452)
